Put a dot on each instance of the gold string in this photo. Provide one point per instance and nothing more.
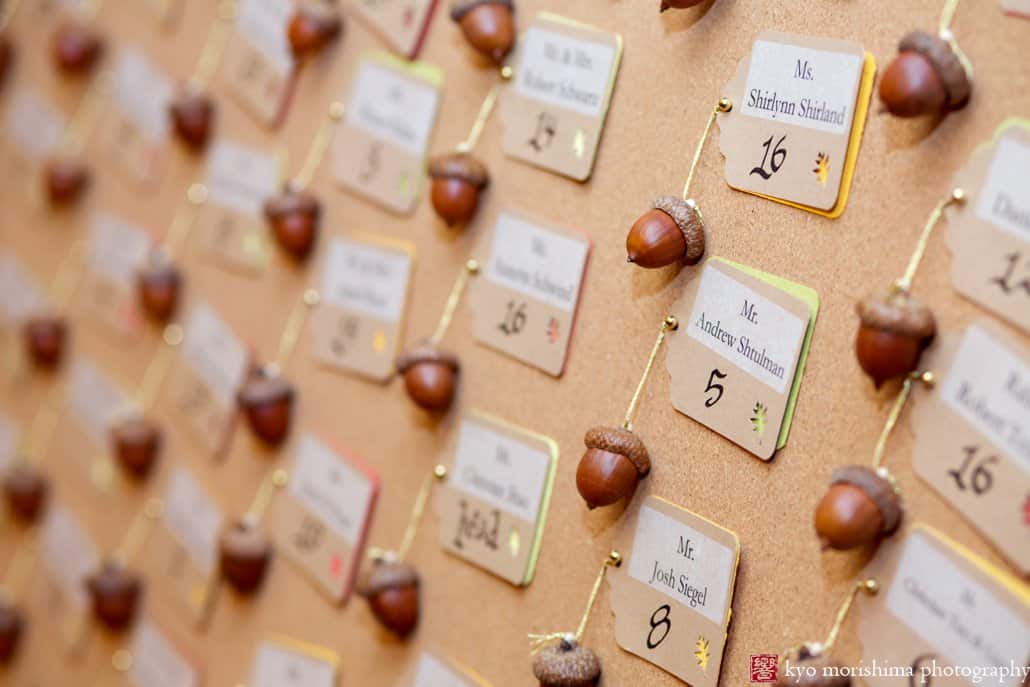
(928, 379)
(439, 473)
(948, 15)
(138, 532)
(90, 9)
(904, 284)
(36, 441)
(182, 222)
(67, 278)
(668, 323)
(86, 115)
(276, 479)
(157, 370)
(869, 586)
(724, 105)
(18, 571)
(470, 267)
(319, 147)
(217, 38)
(294, 326)
(538, 641)
(485, 110)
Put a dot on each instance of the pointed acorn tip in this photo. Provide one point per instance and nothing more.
(631, 258)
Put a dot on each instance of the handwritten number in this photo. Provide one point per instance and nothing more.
(514, 318)
(1004, 281)
(546, 127)
(980, 480)
(774, 155)
(663, 622)
(309, 536)
(717, 388)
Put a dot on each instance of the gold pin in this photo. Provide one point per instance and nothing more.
(817, 654)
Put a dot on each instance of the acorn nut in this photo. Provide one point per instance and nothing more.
(615, 460)
(158, 285)
(859, 508)
(927, 77)
(243, 556)
(814, 670)
(457, 180)
(192, 114)
(76, 48)
(894, 331)
(488, 26)
(267, 403)
(137, 442)
(25, 491)
(430, 376)
(392, 591)
(567, 664)
(294, 217)
(672, 231)
(45, 338)
(115, 592)
(678, 4)
(12, 622)
(65, 180)
(312, 28)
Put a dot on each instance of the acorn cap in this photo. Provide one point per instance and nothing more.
(463, 7)
(802, 656)
(260, 390)
(386, 575)
(567, 664)
(688, 219)
(877, 488)
(461, 166)
(134, 429)
(621, 441)
(425, 352)
(897, 313)
(945, 62)
(290, 202)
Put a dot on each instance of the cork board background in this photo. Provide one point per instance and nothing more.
(673, 69)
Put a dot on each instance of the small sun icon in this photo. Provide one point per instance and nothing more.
(758, 418)
(701, 653)
(822, 167)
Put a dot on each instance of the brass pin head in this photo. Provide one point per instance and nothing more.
(280, 479)
(507, 72)
(614, 559)
(197, 194)
(958, 195)
(672, 323)
(725, 105)
(440, 472)
(172, 335)
(472, 266)
(311, 298)
(870, 586)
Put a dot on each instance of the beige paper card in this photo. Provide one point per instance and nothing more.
(67, 554)
(943, 616)
(989, 236)
(157, 660)
(231, 223)
(285, 662)
(258, 63)
(493, 507)
(321, 522)
(432, 670)
(33, 126)
(555, 109)
(402, 24)
(673, 594)
(21, 294)
(799, 107)
(360, 317)
(1020, 8)
(734, 358)
(973, 433)
(117, 249)
(526, 298)
(380, 147)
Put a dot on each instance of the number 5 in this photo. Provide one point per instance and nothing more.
(712, 386)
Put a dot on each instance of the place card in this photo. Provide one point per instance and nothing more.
(287, 662)
(381, 144)
(96, 402)
(402, 24)
(117, 249)
(321, 521)
(493, 506)
(739, 354)
(1017, 8)
(989, 235)
(212, 365)
(258, 63)
(33, 126)
(948, 616)
(973, 433)
(230, 223)
(432, 670)
(157, 660)
(799, 109)
(358, 324)
(526, 299)
(67, 555)
(554, 112)
(10, 439)
(673, 595)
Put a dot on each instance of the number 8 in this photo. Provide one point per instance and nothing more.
(657, 622)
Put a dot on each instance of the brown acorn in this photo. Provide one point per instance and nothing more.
(457, 180)
(66, 178)
(76, 48)
(392, 591)
(488, 25)
(312, 28)
(6, 56)
(158, 284)
(192, 112)
(12, 622)
(927, 77)
(860, 507)
(243, 555)
(615, 460)
(894, 331)
(673, 231)
(267, 403)
(45, 339)
(25, 491)
(294, 217)
(566, 664)
(136, 442)
(115, 591)
(805, 659)
(430, 376)
(678, 4)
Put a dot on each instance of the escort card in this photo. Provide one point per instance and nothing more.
(401, 24)
(738, 356)
(493, 507)
(10, 439)
(973, 434)
(258, 63)
(135, 130)
(433, 671)
(67, 554)
(231, 222)
(381, 145)
(799, 108)
(284, 662)
(117, 250)
(157, 660)
(212, 366)
(952, 618)
(1018, 8)
(673, 594)
(32, 125)
(359, 322)
(555, 111)
(989, 236)
(526, 300)
(321, 522)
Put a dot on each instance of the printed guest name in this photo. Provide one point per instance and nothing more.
(563, 89)
(742, 344)
(539, 282)
(509, 494)
(395, 126)
(951, 620)
(1009, 429)
(680, 582)
(805, 108)
(1005, 208)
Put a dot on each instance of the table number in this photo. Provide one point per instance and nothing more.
(258, 64)
(432, 670)
(287, 662)
(67, 555)
(527, 299)
(799, 106)
(117, 250)
(157, 661)
(739, 355)
(322, 519)
(381, 145)
(402, 25)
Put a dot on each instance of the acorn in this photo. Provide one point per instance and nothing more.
(392, 591)
(678, 4)
(6, 56)
(25, 491)
(860, 507)
(12, 622)
(267, 403)
(894, 331)
(458, 179)
(430, 376)
(115, 591)
(66, 178)
(566, 664)
(927, 77)
(45, 338)
(312, 28)
(76, 48)
(488, 25)
(243, 556)
(672, 231)
(192, 112)
(615, 460)
(136, 443)
(294, 217)
(158, 284)
(815, 670)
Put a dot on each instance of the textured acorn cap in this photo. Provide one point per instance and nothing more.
(567, 664)
(945, 62)
(897, 313)
(261, 390)
(463, 7)
(621, 441)
(290, 202)
(387, 575)
(820, 662)
(134, 429)
(460, 166)
(425, 352)
(688, 219)
(877, 488)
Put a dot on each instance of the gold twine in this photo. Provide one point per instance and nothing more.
(928, 379)
(724, 105)
(539, 641)
(668, 323)
(471, 267)
(485, 110)
(904, 284)
(319, 147)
